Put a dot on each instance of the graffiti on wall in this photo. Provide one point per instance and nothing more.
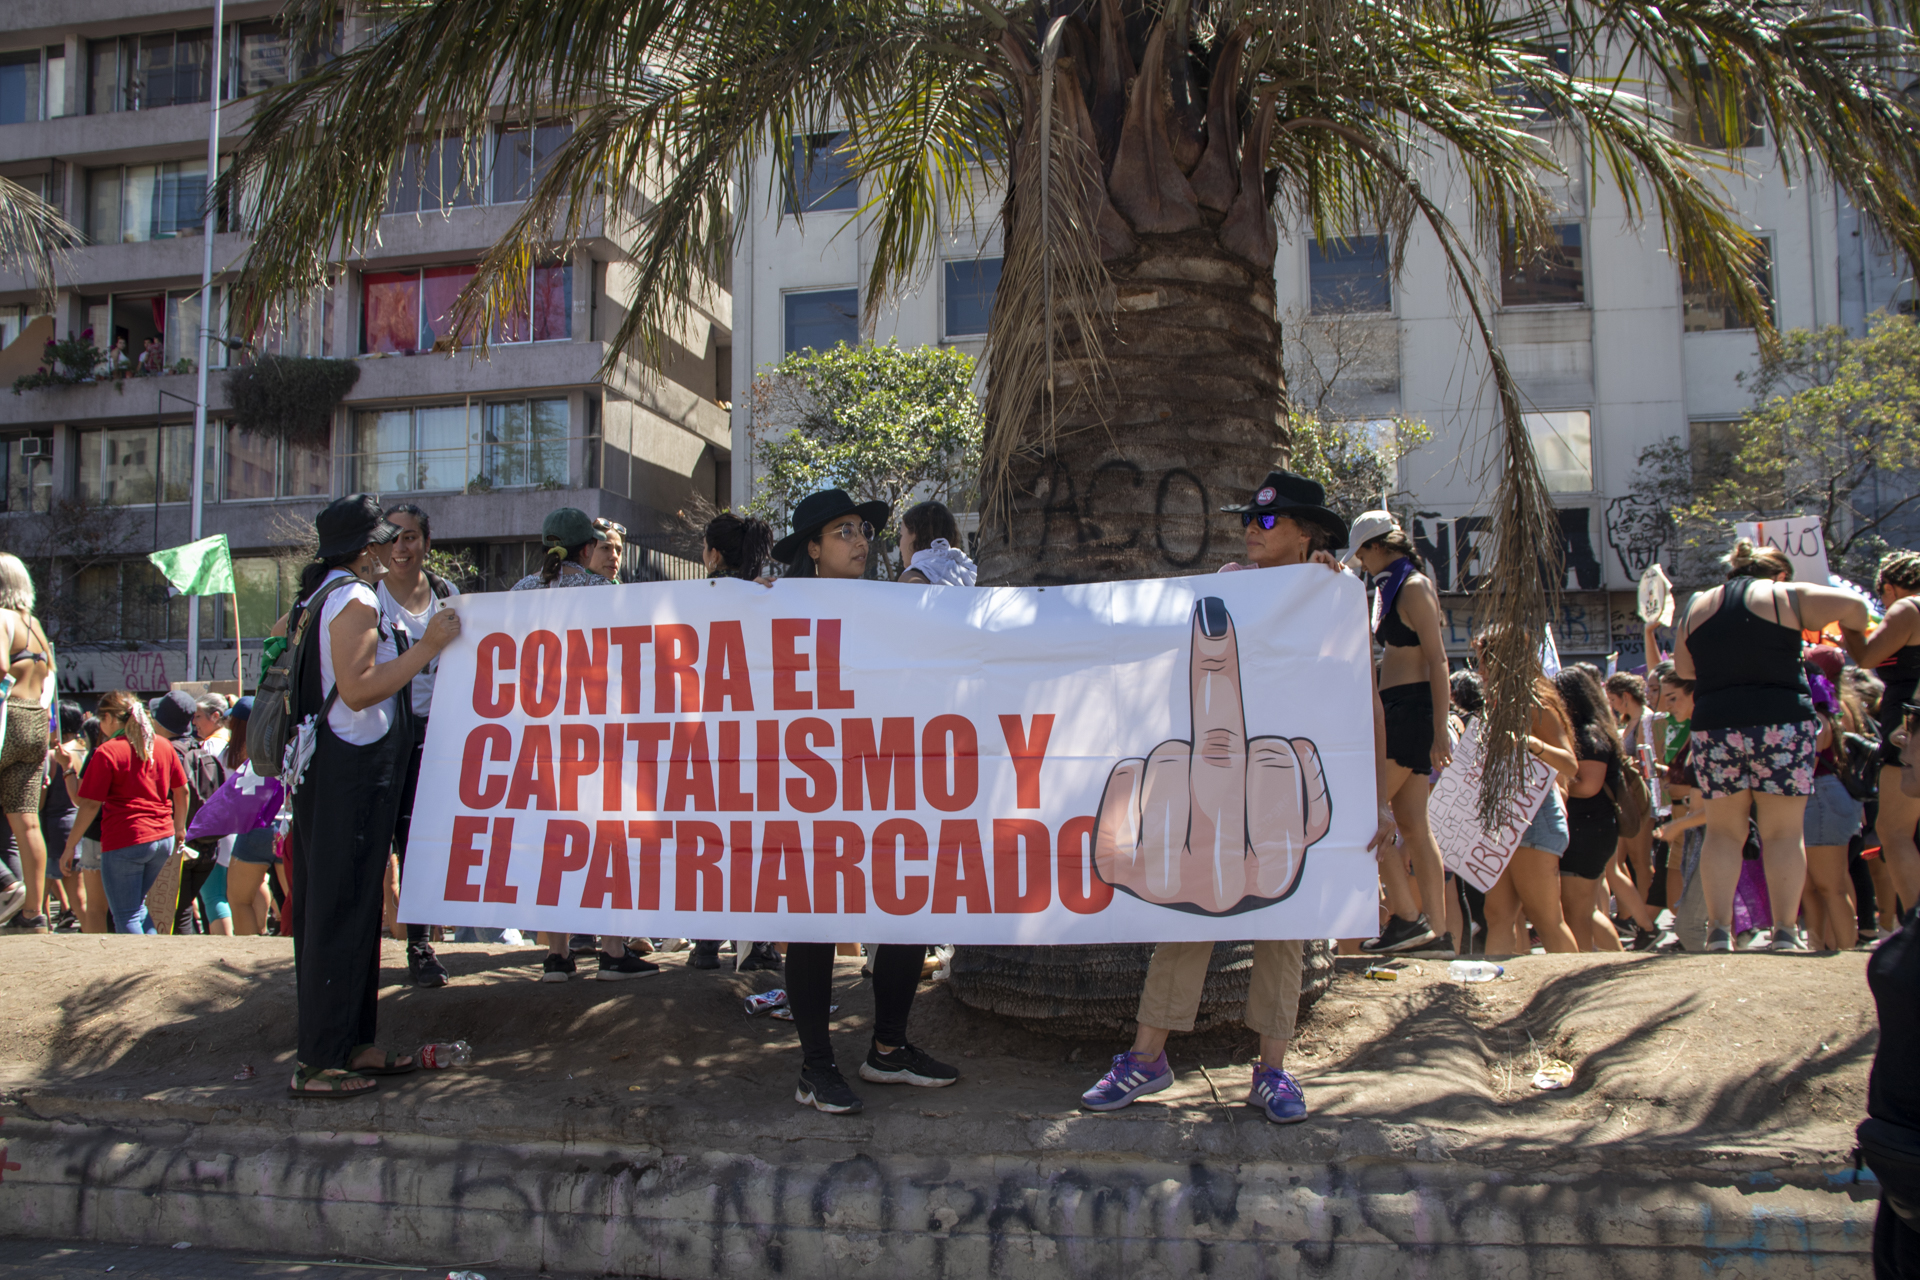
(1459, 549)
(144, 670)
(1637, 530)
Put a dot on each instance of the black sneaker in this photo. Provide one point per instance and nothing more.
(1441, 948)
(627, 966)
(67, 923)
(1400, 935)
(424, 967)
(826, 1090)
(705, 955)
(557, 968)
(763, 956)
(1643, 939)
(906, 1065)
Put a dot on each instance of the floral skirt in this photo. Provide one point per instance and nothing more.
(1774, 758)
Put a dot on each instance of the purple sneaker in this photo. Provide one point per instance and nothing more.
(1131, 1077)
(1277, 1094)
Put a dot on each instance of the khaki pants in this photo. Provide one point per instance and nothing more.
(1178, 973)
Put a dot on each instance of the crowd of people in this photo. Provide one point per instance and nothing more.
(1755, 790)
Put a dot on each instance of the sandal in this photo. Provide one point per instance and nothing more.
(332, 1083)
(390, 1065)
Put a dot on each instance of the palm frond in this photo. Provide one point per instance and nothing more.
(34, 238)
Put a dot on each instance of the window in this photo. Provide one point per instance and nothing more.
(1350, 275)
(1523, 99)
(522, 156)
(409, 311)
(970, 288)
(457, 446)
(26, 474)
(259, 57)
(300, 328)
(1704, 119)
(820, 177)
(1712, 451)
(1557, 277)
(259, 466)
(182, 334)
(1704, 309)
(1564, 444)
(103, 77)
(117, 466)
(146, 202)
(20, 87)
(170, 69)
(524, 443)
(438, 173)
(821, 319)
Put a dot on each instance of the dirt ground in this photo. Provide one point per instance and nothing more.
(1745, 1055)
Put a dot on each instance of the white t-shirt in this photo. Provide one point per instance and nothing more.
(398, 616)
(360, 728)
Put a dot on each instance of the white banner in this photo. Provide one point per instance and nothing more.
(1801, 537)
(1453, 813)
(872, 762)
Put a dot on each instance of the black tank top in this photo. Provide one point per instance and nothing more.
(1901, 675)
(1747, 671)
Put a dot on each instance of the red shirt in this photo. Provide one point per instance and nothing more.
(136, 795)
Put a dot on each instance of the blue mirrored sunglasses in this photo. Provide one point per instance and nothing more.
(1266, 519)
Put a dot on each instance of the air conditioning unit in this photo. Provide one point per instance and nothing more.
(35, 447)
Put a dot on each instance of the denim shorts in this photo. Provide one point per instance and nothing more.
(254, 846)
(1548, 831)
(89, 858)
(1833, 816)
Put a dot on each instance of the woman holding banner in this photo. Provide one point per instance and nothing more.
(1413, 687)
(1892, 652)
(832, 536)
(350, 677)
(1287, 523)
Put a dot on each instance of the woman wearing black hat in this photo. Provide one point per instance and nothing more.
(831, 537)
(347, 671)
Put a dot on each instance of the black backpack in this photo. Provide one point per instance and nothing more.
(203, 779)
(274, 718)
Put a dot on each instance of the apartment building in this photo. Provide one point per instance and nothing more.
(1613, 349)
(104, 110)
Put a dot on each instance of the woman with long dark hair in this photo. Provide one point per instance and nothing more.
(350, 675)
(1414, 694)
(1529, 889)
(571, 537)
(1754, 732)
(1593, 816)
(832, 537)
(1892, 652)
(737, 546)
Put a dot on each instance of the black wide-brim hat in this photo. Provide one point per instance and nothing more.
(1283, 493)
(350, 523)
(816, 509)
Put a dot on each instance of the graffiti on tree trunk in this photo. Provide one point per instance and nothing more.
(1104, 509)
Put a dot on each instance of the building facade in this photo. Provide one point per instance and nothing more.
(1613, 349)
(104, 111)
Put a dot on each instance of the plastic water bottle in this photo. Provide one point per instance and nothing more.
(1474, 971)
(455, 1054)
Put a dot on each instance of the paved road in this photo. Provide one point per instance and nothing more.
(52, 1260)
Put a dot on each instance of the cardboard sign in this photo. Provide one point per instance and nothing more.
(1469, 849)
(1801, 537)
(1185, 759)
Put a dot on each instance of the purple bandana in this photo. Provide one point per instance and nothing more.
(1387, 584)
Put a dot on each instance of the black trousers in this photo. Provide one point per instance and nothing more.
(896, 976)
(343, 818)
(403, 821)
(1896, 1246)
(193, 878)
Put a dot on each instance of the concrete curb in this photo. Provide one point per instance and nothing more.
(597, 1207)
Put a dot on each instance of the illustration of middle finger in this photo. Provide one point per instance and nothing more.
(1165, 812)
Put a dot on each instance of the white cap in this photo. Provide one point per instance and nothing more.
(1367, 526)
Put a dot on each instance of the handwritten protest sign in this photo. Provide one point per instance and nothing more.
(1185, 759)
(1469, 849)
(1801, 537)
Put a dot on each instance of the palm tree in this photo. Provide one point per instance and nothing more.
(34, 237)
(1146, 150)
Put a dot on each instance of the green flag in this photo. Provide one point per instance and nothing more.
(202, 568)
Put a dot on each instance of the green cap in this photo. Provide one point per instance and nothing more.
(569, 527)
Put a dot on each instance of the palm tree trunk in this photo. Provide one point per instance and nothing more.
(1187, 415)
(1136, 388)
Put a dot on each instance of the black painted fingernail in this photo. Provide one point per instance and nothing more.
(1213, 617)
